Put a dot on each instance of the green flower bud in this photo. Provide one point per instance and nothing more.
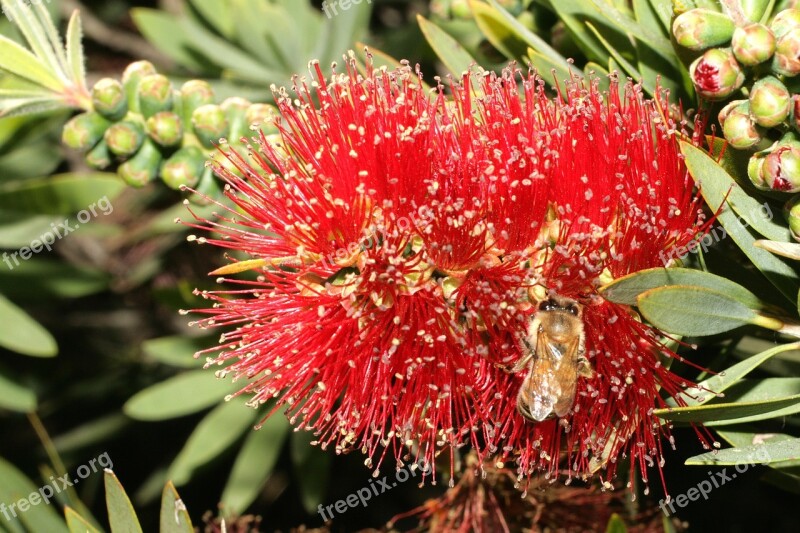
(739, 128)
(130, 81)
(210, 124)
(786, 60)
(165, 128)
(235, 110)
(753, 44)
(781, 168)
(754, 9)
(142, 168)
(155, 94)
(261, 116)
(784, 22)
(194, 93)
(208, 188)
(791, 212)
(754, 166)
(699, 29)
(459, 9)
(770, 102)
(716, 74)
(794, 112)
(730, 106)
(184, 167)
(124, 138)
(108, 98)
(99, 157)
(84, 131)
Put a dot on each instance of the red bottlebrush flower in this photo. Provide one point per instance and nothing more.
(404, 241)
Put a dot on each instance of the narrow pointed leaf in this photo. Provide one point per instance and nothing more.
(716, 384)
(312, 468)
(26, 18)
(121, 516)
(76, 523)
(450, 52)
(254, 464)
(21, 63)
(174, 516)
(537, 43)
(766, 453)
(713, 189)
(213, 435)
(15, 485)
(75, 59)
(789, 250)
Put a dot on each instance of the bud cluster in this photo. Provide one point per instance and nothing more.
(148, 129)
(749, 59)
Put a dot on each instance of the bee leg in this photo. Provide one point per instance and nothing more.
(523, 363)
(585, 367)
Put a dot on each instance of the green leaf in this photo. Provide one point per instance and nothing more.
(789, 250)
(497, 31)
(176, 351)
(22, 334)
(213, 435)
(766, 453)
(729, 377)
(43, 279)
(76, 523)
(181, 395)
(653, 39)
(654, 15)
(743, 439)
(312, 469)
(121, 515)
(616, 524)
(163, 31)
(693, 311)
(633, 72)
(39, 517)
(450, 52)
(515, 27)
(75, 59)
(14, 396)
(62, 194)
(712, 177)
(254, 464)
(33, 21)
(747, 401)
(174, 516)
(627, 289)
(221, 19)
(45, 67)
(706, 174)
(338, 33)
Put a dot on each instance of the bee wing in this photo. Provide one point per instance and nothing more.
(567, 377)
(541, 390)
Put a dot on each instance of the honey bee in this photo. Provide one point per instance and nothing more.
(554, 356)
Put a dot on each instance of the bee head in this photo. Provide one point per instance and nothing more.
(566, 305)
